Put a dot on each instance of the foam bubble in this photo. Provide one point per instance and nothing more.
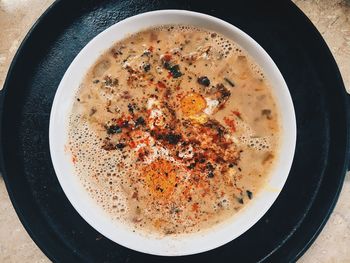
(96, 168)
(249, 139)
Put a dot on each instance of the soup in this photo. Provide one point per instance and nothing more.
(174, 130)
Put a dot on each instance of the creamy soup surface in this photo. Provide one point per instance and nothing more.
(174, 130)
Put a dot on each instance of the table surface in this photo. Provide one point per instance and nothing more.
(332, 19)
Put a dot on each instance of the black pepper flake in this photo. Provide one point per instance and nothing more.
(210, 174)
(125, 124)
(130, 108)
(146, 67)
(230, 82)
(175, 71)
(203, 81)
(249, 194)
(167, 65)
(146, 53)
(172, 138)
(120, 146)
(202, 160)
(209, 166)
(96, 81)
(191, 166)
(240, 200)
(177, 210)
(159, 189)
(108, 81)
(113, 129)
(231, 165)
(225, 93)
(140, 121)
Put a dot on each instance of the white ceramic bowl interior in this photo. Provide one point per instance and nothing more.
(79, 197)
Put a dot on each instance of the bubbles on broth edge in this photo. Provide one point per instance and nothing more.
(96, 170)
(250, 140)
(257, 70)
(258, 143)
(224, 45)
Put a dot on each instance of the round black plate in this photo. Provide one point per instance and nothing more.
(307, 65)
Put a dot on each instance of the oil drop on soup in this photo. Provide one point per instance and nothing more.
(173, 130)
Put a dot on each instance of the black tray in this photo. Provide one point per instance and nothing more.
(318, 93)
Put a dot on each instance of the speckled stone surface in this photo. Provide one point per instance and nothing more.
(331, 17)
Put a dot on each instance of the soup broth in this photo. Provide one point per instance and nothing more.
(174, 130)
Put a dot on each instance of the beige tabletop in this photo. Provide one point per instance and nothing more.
(331, 17)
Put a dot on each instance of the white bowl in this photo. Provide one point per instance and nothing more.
(92, 213)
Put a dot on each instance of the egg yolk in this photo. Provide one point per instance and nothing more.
(160, 177)
(192, 104)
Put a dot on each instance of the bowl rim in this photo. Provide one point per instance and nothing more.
(70, 192)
